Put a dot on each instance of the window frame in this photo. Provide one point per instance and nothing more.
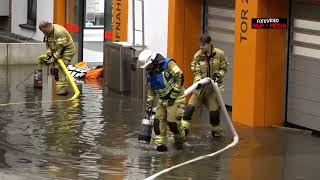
(31, 16)
(32, 12)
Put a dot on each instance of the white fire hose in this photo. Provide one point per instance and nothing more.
(227, 117)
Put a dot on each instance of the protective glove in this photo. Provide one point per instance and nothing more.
(149, 110)
(50, 60)
(216, 77)
(49, 54)
(171, 101)
(199, 86)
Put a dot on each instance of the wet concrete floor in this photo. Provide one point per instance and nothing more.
(95, 137)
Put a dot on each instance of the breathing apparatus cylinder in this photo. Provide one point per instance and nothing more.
(146, 128)
(37, 79)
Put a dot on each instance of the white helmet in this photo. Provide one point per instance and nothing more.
(145, 58)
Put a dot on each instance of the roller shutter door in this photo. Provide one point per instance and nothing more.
(219, 23)
(303, 98)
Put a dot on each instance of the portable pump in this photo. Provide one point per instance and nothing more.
(37, 79)
(146, 128)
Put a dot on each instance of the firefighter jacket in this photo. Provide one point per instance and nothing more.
(166, 82)
(214, 66)
(59, 43)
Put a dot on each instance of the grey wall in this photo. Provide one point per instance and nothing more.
(22, 53)
(3, 53)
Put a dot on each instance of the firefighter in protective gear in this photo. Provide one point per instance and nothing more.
(59, 44)
(207, 62)
(165, 79)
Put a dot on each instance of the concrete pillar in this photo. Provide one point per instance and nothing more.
(184, 25)
(259, 65)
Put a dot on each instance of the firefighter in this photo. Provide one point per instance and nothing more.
(165, 79)
(59, 44)
(207, 62)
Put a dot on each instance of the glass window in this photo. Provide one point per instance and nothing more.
(94, 16)
(74, 18)
(32, 12)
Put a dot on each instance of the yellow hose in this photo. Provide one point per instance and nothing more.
(71, 80)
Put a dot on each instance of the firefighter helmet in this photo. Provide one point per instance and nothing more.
(145, 58)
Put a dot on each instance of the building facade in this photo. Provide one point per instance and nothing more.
(273, 76)
(27, 14)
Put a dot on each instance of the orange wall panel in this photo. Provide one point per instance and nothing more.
(70, 4)
(175, 30)
(258, 81)
(260, 64)
(184, 25)
(275, 80)
(120, 20)
(243, 65)
(192, 33)
(59, 16)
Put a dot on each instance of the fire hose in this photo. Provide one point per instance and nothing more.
(227, 117)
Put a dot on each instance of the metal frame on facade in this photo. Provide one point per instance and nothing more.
(204, 13)
(108, 17)
(288, 61)
(82, 6)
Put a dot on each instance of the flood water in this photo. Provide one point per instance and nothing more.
(95, 137)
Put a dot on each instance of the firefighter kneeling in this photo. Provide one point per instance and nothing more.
(165, 79)
(59, 45)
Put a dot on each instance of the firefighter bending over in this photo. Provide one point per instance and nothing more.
(165, 79)
(59, 44)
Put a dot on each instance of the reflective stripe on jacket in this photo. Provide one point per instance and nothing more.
(167, 82)
(59, 43)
